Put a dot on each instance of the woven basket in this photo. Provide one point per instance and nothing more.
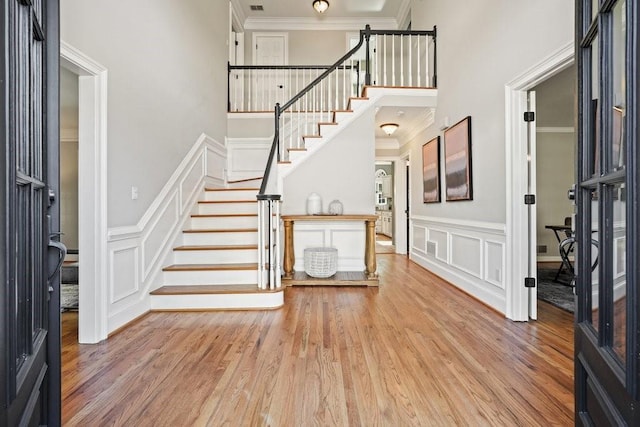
(320, 262)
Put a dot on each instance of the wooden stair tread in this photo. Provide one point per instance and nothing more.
(327, 123)
(296, 149)
(222, 215)
(222, 230)
(212, 267)
(215, 247)
(312, 136)
(233, 189)
(211, 289)
(226, 201)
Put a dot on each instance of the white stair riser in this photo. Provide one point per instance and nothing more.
(339, 117)
(313, 142)
(224, 238)
(215, 277)
(235, 256)
(217, 301)
(216, 196)
(294, 155)
(358, 103)
(224, 222)
(328, 130)
(227, 208)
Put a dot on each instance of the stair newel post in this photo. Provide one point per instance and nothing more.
(261, 284)
(367, 36)
(277, 129)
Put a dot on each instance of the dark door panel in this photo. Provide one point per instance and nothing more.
(29, 367)
(607, 348)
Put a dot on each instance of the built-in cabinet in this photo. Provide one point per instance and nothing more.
(384, 223)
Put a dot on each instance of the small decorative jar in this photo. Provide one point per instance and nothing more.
(335, 207)
(314, 204)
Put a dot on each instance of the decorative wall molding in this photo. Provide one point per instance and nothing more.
(149, 243)
(92, 184)
(517, 222)
(247, 157)
(469, 254)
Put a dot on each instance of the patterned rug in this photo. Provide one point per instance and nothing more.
(68, 296)
(558, 294)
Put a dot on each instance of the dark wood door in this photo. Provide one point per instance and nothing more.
(29, 324)
(607, 344)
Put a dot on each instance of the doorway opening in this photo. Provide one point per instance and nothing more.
(554, 159)
(384, 195)
(521, 256)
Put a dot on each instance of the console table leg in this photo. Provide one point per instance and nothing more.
(288, 250)
(370, 250)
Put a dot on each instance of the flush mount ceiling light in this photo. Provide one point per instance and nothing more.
(320, 5)
(389, 128)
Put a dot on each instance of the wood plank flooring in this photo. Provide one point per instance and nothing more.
(413, 352)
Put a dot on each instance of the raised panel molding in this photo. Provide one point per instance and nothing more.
(246, 157)
(468, 254)
(124, 265)
(494, 263)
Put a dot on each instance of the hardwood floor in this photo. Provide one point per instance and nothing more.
(414, 351)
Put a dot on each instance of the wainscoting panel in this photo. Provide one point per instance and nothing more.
(137, 253)
(441, 239)
(246, 157)
(468, 254)
(494, 259)
(347, 237)
(159, 233)
(124, 265)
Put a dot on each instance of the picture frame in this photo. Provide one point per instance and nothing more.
(457, 161)
(431, 171)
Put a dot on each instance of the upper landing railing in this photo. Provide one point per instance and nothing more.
(380, 58)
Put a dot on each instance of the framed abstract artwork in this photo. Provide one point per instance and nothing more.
(431, 171)
(457, 161)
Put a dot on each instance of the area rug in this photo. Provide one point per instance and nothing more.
(68, 296)
(558, 294)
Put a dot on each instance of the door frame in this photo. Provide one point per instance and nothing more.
(517, 224)
(92, 190)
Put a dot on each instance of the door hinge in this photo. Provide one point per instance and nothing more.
(529, 116)
(529, 282)
(529, 199)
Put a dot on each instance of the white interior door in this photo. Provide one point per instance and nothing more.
(269, 85)
(531, 178)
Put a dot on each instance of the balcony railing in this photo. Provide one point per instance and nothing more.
(380, 58)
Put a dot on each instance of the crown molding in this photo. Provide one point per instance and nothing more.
(404, 15)
(329, 24)
(238, 15)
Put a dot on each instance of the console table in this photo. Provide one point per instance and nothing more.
(369, 277)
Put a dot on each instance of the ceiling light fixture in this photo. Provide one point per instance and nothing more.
(389, 128)
(320, 5)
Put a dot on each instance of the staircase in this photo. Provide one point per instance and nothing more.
(216, 266)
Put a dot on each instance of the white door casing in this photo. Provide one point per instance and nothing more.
(517, 228)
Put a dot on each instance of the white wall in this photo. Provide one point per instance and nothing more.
(481, 47)
(342, 170)
(166, 63)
